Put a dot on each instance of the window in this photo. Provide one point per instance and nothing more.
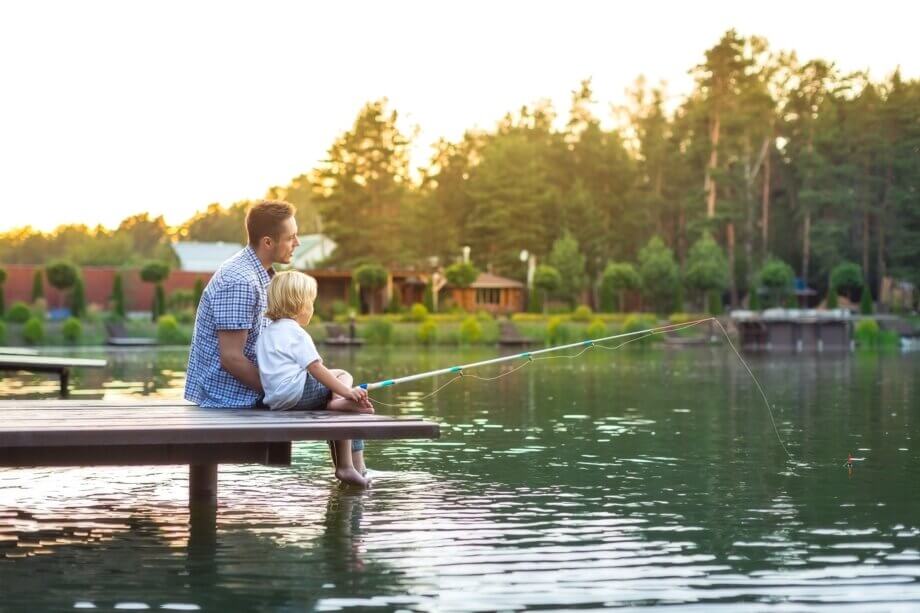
(488, 296)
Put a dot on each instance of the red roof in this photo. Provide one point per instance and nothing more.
(487, 280)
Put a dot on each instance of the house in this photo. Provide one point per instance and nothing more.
(490, 293)
(313, 249)
(196, 256)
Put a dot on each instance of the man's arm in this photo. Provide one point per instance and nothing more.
(231, 343)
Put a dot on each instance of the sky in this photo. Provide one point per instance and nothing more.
(113, 108)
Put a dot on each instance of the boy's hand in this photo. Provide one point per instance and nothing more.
(359, 395)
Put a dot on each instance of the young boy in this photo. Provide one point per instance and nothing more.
(292, 372)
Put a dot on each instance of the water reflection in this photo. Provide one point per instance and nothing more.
(636, 478)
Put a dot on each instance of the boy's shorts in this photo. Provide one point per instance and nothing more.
(315, 396)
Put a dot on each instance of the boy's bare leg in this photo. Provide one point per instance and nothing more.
(345, 470)
(338, 403)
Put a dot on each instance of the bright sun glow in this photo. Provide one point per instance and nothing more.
(113, 108)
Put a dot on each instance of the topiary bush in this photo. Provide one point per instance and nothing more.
(596, 329)
(78, 298)
(33, 331)
(636, 322)
(556, 331)
(418, 312)
(168, 331)
(582, 313)
(378, 331)
(427, 332)
(18, 313)
(470, 330)
(72, 330)
(867, 333)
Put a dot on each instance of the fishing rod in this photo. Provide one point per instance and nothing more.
(527, 355)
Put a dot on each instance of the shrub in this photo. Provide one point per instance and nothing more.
(846, 278)
(33, 331)
(865, 301)
(118, 296)
(596, 329)
(427, 332)
(378, 331)
(636, 322)
(867, 333)
(714, 298)
(38, 285)
(181, 299)
(754, 301)
(778, 278)
(831, 298)
(418, 312)
(19, 313)
(2, 332)
(659, 274)
(78, 298)
(428, 298)
(484, 315)
(582, 313)
(187, 316)
(72, 330)
(470, 330)
(556, 331)
(2, 296)
(339, 308)
(197, 292)
(168, 332)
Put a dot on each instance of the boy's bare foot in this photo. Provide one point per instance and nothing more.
(350, 476)
(344, 404)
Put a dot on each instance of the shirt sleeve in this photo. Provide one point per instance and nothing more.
(235, 306)
(306, 350)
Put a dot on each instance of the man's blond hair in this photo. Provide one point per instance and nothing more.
(289, 294)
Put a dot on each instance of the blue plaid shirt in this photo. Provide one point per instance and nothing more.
(235, 299)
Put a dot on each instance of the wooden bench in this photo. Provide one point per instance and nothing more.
(36, 433)
(61, 366)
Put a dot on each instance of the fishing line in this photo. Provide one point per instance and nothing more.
(533, 356)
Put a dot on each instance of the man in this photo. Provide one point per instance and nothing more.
(231, 313)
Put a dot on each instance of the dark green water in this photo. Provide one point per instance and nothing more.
(628, 479)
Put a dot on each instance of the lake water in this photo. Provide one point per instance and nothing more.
(626, 479)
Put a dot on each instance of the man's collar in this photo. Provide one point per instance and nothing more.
(254, 259)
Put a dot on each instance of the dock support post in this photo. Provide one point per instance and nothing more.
(202, 485)
(65, 381)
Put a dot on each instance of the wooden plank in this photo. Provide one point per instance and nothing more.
(35, 362)
(64, 435)
(139, 455)
(36, 419)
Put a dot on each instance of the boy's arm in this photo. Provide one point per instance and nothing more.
(322, 374)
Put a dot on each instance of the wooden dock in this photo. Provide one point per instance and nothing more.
(58, 365)
(37, 433)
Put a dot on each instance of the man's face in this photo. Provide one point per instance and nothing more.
(287, 242)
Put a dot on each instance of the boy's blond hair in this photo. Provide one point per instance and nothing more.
(289, 294)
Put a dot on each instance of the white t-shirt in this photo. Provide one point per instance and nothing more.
(284, 350)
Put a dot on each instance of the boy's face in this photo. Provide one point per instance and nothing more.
(304, 317)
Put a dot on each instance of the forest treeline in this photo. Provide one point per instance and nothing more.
(773, 155)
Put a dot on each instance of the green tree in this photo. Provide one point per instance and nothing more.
(197, 292)
(370, 278)
(548, 280)
(61, 274)
(361, 187)
(706, 269)
(777, 278)
(117, 299)
(156, 271)
(2, 293)
(618, 278)
(865, 301)
(659, 274)
(566, 258)
(38, 286)
(846, 277)
(78, 298)
(461, 274)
